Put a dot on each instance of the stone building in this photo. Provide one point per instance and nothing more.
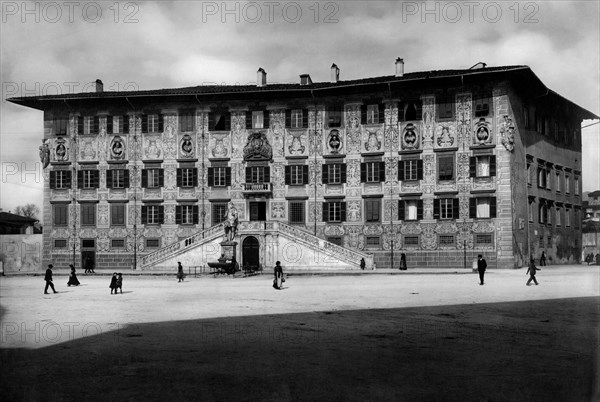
(438, 165)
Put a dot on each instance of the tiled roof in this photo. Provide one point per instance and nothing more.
(8, 218)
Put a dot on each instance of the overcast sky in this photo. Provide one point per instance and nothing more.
(47, 47)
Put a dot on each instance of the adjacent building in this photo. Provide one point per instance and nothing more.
(438, 165)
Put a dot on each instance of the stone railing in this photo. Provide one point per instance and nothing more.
(181, 246)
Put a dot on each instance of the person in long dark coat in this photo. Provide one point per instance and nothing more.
(278, 274)
(113, 283)
(73, 277)
(362, 263)
(180, 275)
(531, 271)
(48, 279)
(119, 284)
(403, 262)
(543, 259)
(481, 266)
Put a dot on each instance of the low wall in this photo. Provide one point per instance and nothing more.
(21, 253)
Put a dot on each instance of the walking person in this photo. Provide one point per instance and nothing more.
(180, 275)
(113, 283)
(48, 279)
(403, 262)
(481, 266)
(73, 277)
(531, 271)
(119, 284)
(362, 264)
(89, 265)
(543, 259)
(278, 276)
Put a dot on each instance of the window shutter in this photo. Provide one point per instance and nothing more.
(179, 177)
(195, 177)
(493, 165)
(80, 179)
(455, 208)
(420, 169)
(305, 174)
(363, 114)
(472, 166)
(492, 207)
(288, 174)
(161, 214)
(227, 121)
(381, 171)
(144, 178)
(52, 179)
(178, 214)
(228, 176)
(248, 175)
(161, 178)
(145, 123)
(109, 124)
(109, 178)
(325, 212)
(288, 118)
(304, 118)
(343, 172)
(400, 170)
(401, 211)
(126, 124)
(381, 113)
(96, 125)
(325, 174)
(211, 121)
(473, 208)
(266, 116)
(126, 178)
(363, 172)
(144, 214)
(195, 214)
(343, 211)
(79, 125)
(436, 208)
(419, 210)
(249, 119)
(96, 179)
(161, 123)
(211, 176)
(69, 179)
(267, 174)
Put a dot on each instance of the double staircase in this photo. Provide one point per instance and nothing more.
(330, 255)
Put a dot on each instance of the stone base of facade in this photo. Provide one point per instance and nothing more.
(434, 259)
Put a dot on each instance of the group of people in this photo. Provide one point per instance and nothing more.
(482, 265)
(590, 258)
(116, 282)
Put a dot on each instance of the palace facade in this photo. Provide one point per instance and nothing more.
(438, 165)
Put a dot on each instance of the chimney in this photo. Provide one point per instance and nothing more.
(305, 79)
(399, 67)
(99, 86)
(261, 78)
(335, 73)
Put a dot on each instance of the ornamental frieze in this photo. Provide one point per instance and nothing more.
(257, 147)
(297, 140)
(428, 208)
(481, 226)
(219, 145)
(88, 149)
(152, 147)
(410, 186)
(446, 228)
(334, 230)
(372, 140)
(278, 210)
(353, 209)
(373, 230)
(428, 241)
(410, 228)
(353, 173)
(428, 120)
(445, 135)
(277, 131)
(507, 133)
(170, 137)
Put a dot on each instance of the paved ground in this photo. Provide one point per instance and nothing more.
(369, 337)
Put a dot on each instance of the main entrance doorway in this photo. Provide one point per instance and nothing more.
(88, 254)
(250, 253)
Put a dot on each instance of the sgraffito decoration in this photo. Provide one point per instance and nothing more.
(117, 148)
(257, 147)
(507, 133)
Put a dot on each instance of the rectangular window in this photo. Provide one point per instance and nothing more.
(483, 207)
(258, 119)
(567, 217)
(335, 211)
(188, 177)
(576, 184)
(541, 241)
(118, 178)
(411, 241)
(256, 174)
(153, 215)
(117, 243)
(335, 240)
(483, 166)
(334, 173)
(187, 122)
(60, 126)
(89, 179)
(153, 126)
(446, 206)
(529, 174)
(526, 121)
(186, 215)
(372, 210)
(373, 241)
(88, 243)
(531, 211)
(557, 182)
(445, 107)
(410, 169)
(88, 124)
(543, 213)
(117, 214)
(372, 114)
(484, 239)
(567, 184)
(60, 243)
(296, 118)
(60, 215)
(446, 240)
(548, 179)
(541, 177)
(558, 219)
(154, 176)
(88, 214)
(334, 116)
(220, 173)
(152, 243)
(296, 212)
(297, 175)
(372, 172)
(62, 179)
(549, 241)
(218, 212)
(446, 167)
(482, 104)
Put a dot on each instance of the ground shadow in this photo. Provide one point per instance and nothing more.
(533, 350)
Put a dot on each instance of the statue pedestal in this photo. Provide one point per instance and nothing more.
(228, 250)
